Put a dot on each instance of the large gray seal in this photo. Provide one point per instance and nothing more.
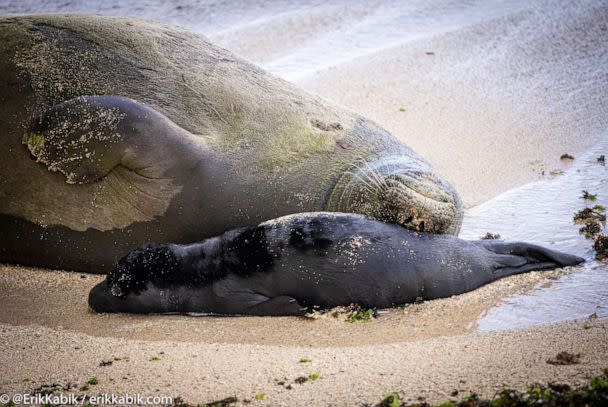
(289, 265)
(117, 132)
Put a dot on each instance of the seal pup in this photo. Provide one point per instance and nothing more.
(289, 265)
(118, 131)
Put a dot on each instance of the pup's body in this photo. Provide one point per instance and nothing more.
(290, 264)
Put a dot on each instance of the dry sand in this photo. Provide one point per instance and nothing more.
(481, 102)
(202, 372)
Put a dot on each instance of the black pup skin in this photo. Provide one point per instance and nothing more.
(289, 265)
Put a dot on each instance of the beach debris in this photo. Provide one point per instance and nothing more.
(46, 389)
(300, 380)
(566, 156)
(391, 399)
(105, 363)
(601, 159)
(555, 173)
(590, 218)
(359, 314)
(565, 358)
(227, 402)
(601, 247)
(594, 393)
(589, 230)
(93, 381)
(430, 53)
(339, 312)
(305, 360)
(587, 196)
(260, 396)
(402, 109)
(538, 167)
(490, 236)
(595, 214)
(154, 358)
(314, 314)
(593, 316)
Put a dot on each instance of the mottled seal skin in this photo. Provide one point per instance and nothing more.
(117, 132)
(289, 265)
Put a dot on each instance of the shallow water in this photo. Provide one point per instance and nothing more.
(541, 212)
(328, 33)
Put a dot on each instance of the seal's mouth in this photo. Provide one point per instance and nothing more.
(399, 191)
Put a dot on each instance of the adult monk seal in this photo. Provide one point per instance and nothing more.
(288, 265)
(117, 132)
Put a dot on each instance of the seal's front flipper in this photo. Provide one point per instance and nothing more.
(519, 257)
(86, 137)
(277, 306)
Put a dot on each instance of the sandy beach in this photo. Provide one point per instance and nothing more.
(490, 94)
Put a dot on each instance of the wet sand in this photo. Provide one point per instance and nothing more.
(59, 300)
(490, 100)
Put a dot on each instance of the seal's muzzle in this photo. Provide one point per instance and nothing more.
(402, 191)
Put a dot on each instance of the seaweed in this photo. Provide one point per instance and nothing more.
(593, 394)
(359, 314)
(490, 236)
(227, 402)
(591, 219)
(391, 399)
(565, 358)
(601, 247)
(588, 196)
(93, 381)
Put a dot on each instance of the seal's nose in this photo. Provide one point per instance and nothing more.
(420, 201)
(408, 195)
(100, 298)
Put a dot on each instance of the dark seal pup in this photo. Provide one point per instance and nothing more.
(291, 264)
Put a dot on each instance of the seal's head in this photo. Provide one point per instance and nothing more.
(141, 282)
(399, 189)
